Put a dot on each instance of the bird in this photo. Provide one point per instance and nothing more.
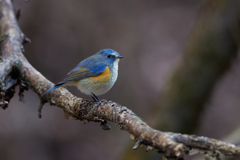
(94, 75)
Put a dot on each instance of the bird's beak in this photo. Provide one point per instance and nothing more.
(119, 57)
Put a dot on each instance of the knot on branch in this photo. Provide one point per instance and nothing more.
(9, 80)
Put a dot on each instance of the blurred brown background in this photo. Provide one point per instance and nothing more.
(151, 35)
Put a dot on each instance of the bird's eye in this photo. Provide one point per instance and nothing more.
(109, 56)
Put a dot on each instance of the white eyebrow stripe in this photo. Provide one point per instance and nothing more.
(114, 54)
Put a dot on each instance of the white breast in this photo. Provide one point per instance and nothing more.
(115, 71)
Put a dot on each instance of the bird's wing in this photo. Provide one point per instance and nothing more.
(86, 68)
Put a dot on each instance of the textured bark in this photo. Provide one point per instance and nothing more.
(232, 137)
(16, 71)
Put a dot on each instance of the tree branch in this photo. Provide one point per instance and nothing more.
(15, 70)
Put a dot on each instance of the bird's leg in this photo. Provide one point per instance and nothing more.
(95, 98)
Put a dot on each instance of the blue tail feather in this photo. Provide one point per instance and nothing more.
(54, 87)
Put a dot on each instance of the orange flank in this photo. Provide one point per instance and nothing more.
(102, 77)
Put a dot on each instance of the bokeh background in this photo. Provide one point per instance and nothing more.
(151, 35)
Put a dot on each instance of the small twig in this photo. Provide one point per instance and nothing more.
(136, 145)
(42, 102)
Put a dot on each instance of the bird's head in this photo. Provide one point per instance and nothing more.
(109, 56)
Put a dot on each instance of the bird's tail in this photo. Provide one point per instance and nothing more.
(54, 87)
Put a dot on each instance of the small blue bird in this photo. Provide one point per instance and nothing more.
(95, 75)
